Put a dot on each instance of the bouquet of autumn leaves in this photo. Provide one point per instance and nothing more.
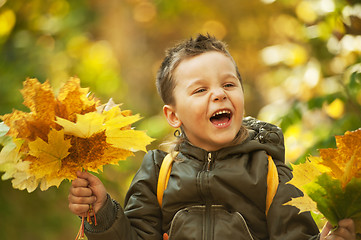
(64, 134)
(332, 181)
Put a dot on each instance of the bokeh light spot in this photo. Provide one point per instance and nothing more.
(215, 28)
(59, 8)
(335, 109)
(144, 12)
(46, 41)
(7, 22)
(305, 12)
(76, 46)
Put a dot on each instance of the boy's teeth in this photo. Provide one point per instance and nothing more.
(221, 112)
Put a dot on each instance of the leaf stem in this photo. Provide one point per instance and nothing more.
(80, 234)
(91, 211)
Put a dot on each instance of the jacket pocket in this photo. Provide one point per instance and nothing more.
(190, 224)
(187, 224)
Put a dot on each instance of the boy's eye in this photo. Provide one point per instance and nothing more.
(229, 85)
(199, 90)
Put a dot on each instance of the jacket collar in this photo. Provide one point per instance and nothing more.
(258, 140)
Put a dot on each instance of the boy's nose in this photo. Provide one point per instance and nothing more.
(219, 95)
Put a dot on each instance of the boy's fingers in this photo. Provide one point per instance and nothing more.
(80, 182)
(85, 179)
(90, 178)
(80, 191)
(348, 224)
(81, 200)
(79, 209)
(95, 188)
(345, 230)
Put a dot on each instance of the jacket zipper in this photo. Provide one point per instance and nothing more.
(208, 203)
(209, 159)
(203, 176)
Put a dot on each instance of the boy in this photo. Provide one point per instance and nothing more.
(218, 183)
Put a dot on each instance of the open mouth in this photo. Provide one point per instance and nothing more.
(221, 118)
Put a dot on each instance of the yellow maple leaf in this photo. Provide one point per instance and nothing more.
(302, 175)
(121, 121)
(128, 139)
(307, 172)
(85, 126)
(47, 156)
(304, 204)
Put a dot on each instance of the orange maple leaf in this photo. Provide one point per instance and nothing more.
(39, 98)
(44, 107)
(345, 160)
(75, 100)
(64, 134)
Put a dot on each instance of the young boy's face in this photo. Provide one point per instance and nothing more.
(209, 101)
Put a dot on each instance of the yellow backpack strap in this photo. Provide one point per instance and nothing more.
(272, 182)
(166, 167)
(164, 174)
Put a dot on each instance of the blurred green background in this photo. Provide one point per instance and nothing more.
(300, 61)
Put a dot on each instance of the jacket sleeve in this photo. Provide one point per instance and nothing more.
(283, 222)
(141, 217)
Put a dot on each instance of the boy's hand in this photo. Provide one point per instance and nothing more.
(345, 231)
(85, 190)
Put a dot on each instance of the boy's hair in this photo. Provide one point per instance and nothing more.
(189, 48)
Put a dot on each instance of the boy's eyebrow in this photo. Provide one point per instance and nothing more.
(199, 81)
(229, 74)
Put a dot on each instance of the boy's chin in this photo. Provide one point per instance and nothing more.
(222, 144)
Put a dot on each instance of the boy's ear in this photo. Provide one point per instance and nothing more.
(172, 118)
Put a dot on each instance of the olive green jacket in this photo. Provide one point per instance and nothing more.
(210, 195)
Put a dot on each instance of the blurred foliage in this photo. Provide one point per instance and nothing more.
(318, 63)
(300, 62)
